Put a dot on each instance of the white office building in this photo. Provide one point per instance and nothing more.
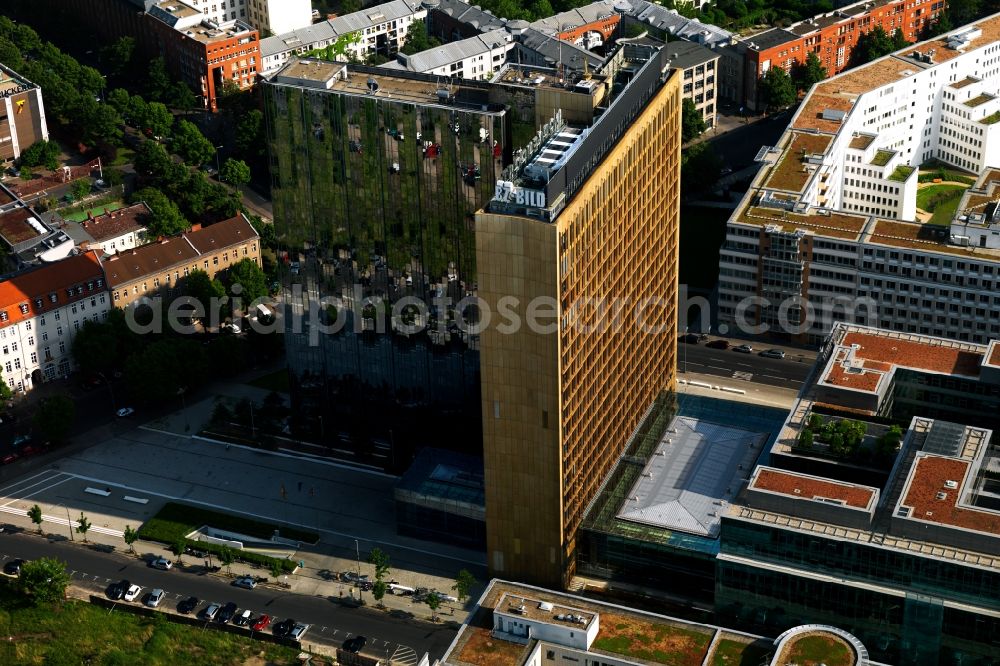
(829, 229)
(279, 16)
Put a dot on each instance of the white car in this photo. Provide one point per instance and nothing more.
(125, 411)
(155, 597)
(246, 582)
(132, 593)
(298, 631)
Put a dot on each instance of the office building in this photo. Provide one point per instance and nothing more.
(829, 229)
(699, 68)
(28, 237)
(22, 115)
(276, 17)
(204, 54)
(41, 310)
(159, 269)
(892, 531)
(520, 625)
(584, 217)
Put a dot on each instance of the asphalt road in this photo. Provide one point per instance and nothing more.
(789, 372)
(403, 639)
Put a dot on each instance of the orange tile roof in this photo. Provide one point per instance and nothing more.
(927, 479)
(787, 483)
(995, 355)
(914, 354)
(115, 223)
(48, 281)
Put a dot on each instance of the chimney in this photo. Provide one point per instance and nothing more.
(105, 211)
(196, 227)
(90, 215)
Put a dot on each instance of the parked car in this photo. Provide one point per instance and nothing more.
(132, 593)
(444, 597)
(161, 563)
(355, 644)
(773, 353)
(155, 597)
(366, 585)
(298, 631)
(20, 440)
(8, 459)
(718, 344)
(13, 568)
(743, 349)
(125, 411)
(283, 628)
(243, 619)
(116, 591)
(693, 338)
(227, 613)
(262, 622)
(211, 611)
(188, 605)
(246, 582)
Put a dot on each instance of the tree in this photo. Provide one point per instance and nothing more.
(165, 368)
(118, 55)
(98, 122)
(5, 391)
(178, 547)
(114, 177)
(166, 218)
(877, 43)
(182, 97)
(251, 280)
(203, 289)
(700, 168)
(44, 580)
(35, 513)
(692, 121)
(151, 159)
(235, 172)
(808, 73)
(227, 557)
(157, 119)
(417, 39)
(381, 561)
(120, 100)
(806, 438)
(81, 188)
(54, 417)
(464, 583)
(776, 89)
(191, 144)
(131, 536)
(960, 12)
(82, 526)
(249, 134)
(379, 588)
(434, 601)
(41, 153)
(158, 83)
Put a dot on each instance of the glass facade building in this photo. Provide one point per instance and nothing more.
(376, 177)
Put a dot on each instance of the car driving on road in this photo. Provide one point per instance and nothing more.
(161, 563)
(246, 582)
(773, 353)
(743, 349)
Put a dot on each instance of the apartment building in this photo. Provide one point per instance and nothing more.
(699, 68)
(22, 115)
(115, 230)
(276, 17)
(379, 29)
(40, 312)
(478, 58)
(896, 538)
(832, 37)
(829, 230)
(159, 269)
(204, 54)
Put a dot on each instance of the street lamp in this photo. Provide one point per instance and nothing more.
(357, 549)
(218, 169)
(685, 350)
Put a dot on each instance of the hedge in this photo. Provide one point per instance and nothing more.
(174, 521)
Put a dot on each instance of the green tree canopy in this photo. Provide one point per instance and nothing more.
(118, 55)
(700, 168)
(151, 159)
(99, 122)
(157, 119)
(776, 89)
(251, 280)
(191, 144)
(249, 133)
(166, 367)
(43, 581)
(158, 83)
(692, 121)
(41, 153)
(807, 74)
(166, 218)
(203, 289)
(417, 39)
(54, 417)
(876, 43)
(235, 172)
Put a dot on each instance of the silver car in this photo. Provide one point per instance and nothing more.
(298, 631)
(155, 597)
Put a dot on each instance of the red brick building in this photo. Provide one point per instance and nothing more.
(832, 36)
(203, 53)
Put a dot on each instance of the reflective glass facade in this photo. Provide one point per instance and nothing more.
(373, 202)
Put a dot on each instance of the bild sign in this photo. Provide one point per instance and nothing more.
(507, 192)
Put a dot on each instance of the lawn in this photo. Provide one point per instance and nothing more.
(941, 200)
(729, 652)
(81, 215)
(174, 521)
(75, 632)
(276, 381)
(816, 649)
(641, 639)
(124, 157)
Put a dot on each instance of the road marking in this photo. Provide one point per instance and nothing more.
(323, 629)
(715, 367)
(403, 655)
(51, 485)
(23, 481)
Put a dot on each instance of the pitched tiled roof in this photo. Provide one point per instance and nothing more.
(126, 267)
(48, 287)
(116, 222)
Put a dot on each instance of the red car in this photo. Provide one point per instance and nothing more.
(262, 622)
(8, 459)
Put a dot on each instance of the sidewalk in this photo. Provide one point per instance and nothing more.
(756, 394)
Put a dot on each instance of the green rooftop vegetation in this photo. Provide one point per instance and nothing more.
(729, 652)
(901, 173)
(992, 118)
(940, 200)
(978, 101)
(663, 643)
(882, 157)
(820, 649)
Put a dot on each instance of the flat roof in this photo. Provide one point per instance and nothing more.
(695, 471)
(9, 79)
(791, 173)
(543, 611)
(15, 228)
(934, 490)
(684, 55)
(993, 354)
(806, 487)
